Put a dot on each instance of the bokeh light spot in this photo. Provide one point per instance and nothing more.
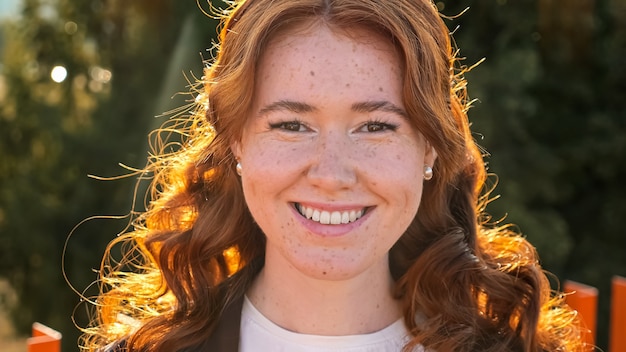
(70, 27)
(58, 74)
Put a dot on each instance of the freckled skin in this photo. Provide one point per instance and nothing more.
(333, 159)
(333, 164)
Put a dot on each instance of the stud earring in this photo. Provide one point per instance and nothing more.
(238, 168)
(428, 172)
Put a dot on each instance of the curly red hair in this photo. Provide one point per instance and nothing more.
(473, 286)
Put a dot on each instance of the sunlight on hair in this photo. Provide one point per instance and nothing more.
(233, 260)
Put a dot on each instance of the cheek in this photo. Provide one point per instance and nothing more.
(269, 161)
(267, 168)
(401, 162)
(396, 175)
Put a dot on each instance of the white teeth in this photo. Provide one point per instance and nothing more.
(345, 217)
(325, 218)
(330, 218)
(335, 218)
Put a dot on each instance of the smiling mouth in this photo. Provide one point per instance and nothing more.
(330, 217)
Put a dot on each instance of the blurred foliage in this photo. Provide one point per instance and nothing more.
(52, 135)
(550, 109)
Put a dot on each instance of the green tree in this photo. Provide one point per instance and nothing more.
(117, 56)
(551, 113)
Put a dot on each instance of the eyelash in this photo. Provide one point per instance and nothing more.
(380, 125)
(281, 125)
(384, 126)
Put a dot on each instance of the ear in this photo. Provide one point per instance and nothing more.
(235, 148)
(430, 155)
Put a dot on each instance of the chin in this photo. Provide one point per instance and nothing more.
(333, 270)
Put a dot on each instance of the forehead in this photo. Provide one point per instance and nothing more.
(292, 34)
(320, 66)
(317, 45)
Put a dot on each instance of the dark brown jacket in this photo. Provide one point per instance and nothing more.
(225, 338)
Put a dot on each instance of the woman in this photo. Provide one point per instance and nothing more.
(328, 198)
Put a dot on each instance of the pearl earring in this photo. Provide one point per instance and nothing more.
(238, 168)
(428, 172)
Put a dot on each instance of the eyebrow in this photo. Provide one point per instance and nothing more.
(363, 107)
(386, 106)
(289, 105)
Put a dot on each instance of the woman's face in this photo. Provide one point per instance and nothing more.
(332, 168)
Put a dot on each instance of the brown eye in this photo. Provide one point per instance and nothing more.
(290, 126)
(373, 127)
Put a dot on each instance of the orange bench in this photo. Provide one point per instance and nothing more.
(617, 337)
(584, 299)
(44, 339)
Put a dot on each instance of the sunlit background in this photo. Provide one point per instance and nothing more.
(9, 8)
(82, 82)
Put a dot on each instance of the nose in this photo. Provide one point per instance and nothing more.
(333, 166)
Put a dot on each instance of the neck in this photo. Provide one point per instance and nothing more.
(357, 305)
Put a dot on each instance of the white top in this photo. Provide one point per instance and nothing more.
(259, 334)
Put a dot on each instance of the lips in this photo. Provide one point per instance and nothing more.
(325, 217)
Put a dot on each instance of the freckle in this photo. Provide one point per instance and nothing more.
(323, 273)
(380, 89)
(347, 85)
(312, 73)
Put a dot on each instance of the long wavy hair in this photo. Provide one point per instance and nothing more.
(465, 285)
